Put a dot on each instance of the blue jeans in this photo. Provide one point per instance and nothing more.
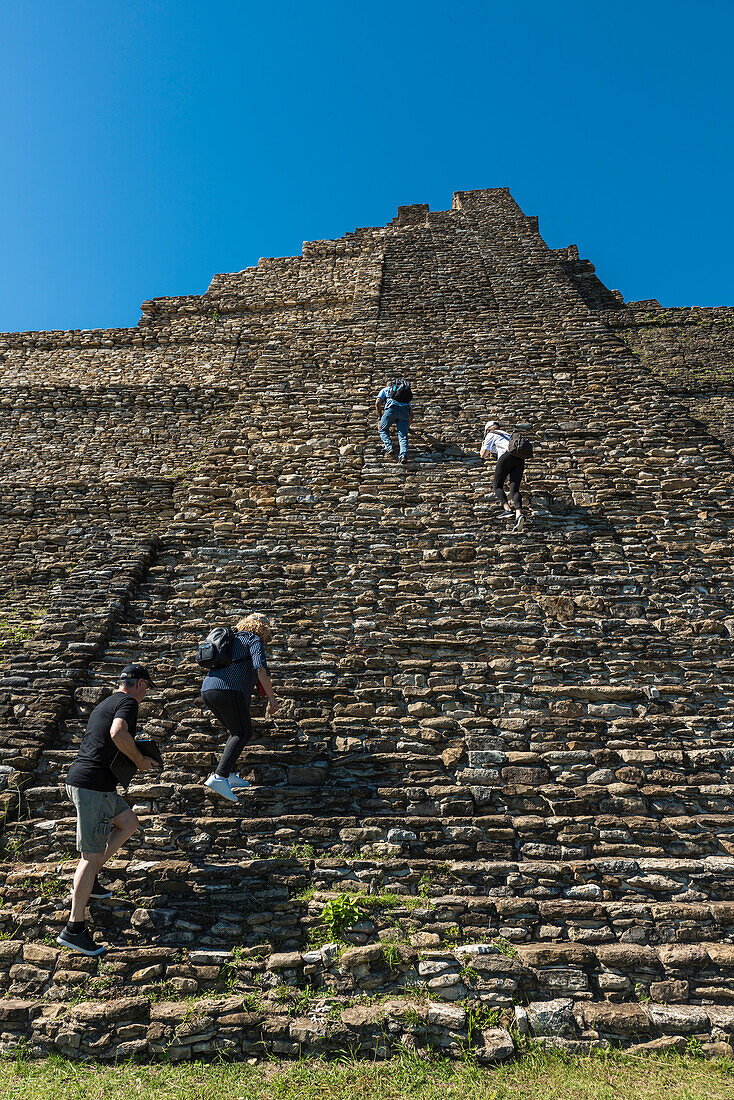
(396, 416)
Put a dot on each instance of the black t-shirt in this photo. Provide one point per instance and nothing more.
(91, 769)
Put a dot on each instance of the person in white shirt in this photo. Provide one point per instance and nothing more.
(495, 442)
(509, 468)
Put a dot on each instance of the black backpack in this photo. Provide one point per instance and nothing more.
(400, 391)
(520, 446)
(216, 649)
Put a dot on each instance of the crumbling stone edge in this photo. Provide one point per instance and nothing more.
(138, 1028)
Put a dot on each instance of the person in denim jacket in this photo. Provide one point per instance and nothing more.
(394, 405)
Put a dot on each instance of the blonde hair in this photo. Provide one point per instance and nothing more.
(256, 624)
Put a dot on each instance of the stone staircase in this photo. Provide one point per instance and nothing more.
(498, 804)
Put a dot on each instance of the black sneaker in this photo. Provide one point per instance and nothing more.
(79, 941)
(402, 459)
(100, 891)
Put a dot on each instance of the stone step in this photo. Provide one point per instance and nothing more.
(475, 851)
(299, 766)
(573, 821)
(557, 775)
(229, 904)
(283, 1015)
(424, 789)
(504, 753)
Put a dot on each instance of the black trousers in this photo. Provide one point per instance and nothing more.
(232, 708)
(508, 469)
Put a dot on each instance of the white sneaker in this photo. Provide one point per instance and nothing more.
(236, 783)
(220, 786)
(519, 524)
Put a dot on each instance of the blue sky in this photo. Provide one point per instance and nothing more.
(146, 146)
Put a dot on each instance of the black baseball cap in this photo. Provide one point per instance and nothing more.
(130, 673)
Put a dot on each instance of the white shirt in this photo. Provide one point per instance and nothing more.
(498, 441)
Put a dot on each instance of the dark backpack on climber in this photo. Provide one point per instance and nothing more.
(216, 649)
(520, 446)
(400, 391)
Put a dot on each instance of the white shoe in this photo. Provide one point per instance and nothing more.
(220, 786)
(519, 524)
(238, 784)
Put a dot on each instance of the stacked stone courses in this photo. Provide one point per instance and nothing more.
(506, 760)
(692, 352)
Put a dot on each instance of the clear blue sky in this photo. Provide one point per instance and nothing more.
(148, 145)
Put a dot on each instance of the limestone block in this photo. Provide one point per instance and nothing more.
(554, 1017)
(679, 1019)
(288, 960)
(631, 1020)
(497, 1046)
(356, 957)
(446, 1015)
(670, 992)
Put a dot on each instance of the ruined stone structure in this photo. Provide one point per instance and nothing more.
(506, 760)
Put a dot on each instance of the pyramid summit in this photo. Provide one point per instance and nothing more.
(501, 778)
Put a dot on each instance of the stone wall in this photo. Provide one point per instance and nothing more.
(512, 749)
(691, 350)
(366, 1001)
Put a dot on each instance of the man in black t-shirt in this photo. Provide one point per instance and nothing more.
(104, 820)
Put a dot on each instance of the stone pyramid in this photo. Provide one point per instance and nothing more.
(498, 806)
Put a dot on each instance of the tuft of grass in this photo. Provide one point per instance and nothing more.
(391, 954)
(425, 883)
(305, 895)
(48, 886)
(504, 947)
(300, 851)
(162, 990)
(450, 936)
(13, 847)
(21, 626)
(296, 1002)
(479, 1017)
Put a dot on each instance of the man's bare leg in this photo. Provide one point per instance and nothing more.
(87, 868)
(91, 863)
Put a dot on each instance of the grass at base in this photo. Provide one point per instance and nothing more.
(535, 1077)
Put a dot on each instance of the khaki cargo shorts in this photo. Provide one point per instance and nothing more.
(94, 813)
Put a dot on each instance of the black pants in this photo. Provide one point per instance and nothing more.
(508, 469)
(232, 708)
